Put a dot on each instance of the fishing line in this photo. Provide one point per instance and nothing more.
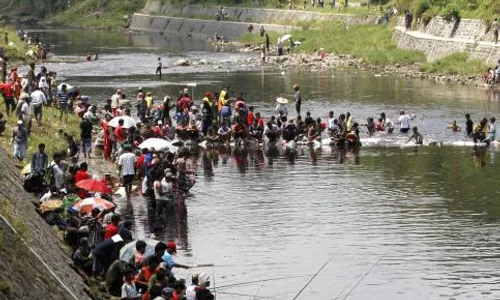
(258, 281)
(312, 278)
(359, 281)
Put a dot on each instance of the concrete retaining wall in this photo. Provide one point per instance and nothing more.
(440, 38)
(253, 15)
(470, 29)
(150, 23)
(437, 47)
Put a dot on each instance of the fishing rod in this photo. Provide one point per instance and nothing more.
(359, 281)
(262, 280)
(312, 278)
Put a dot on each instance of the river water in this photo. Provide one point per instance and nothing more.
(393, 223)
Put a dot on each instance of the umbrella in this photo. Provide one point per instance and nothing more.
(282, 100)
(69, 88)
(128, 250)
(93, 185)
(51, 205)
(88, 204)
(285, 37)
(157, 144)
(127, 122)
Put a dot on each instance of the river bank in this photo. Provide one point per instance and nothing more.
(314, 63)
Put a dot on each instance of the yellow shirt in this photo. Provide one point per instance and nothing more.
(208, 101)
(149, 101)
(222, 99)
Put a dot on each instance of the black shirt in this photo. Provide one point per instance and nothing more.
(85, 129)
(468, 126)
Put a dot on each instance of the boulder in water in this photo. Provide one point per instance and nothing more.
(182, 63)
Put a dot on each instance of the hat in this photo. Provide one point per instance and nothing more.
(84, 230)
(281, 100)
(167, 291)
(163, 265)
(172, 245)
(295, 86)
(203, 278)
(186, 90)
(160, 122)
(20, 122)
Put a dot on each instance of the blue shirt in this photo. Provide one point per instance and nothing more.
(39, 162)
(63, 98)
(167, 258)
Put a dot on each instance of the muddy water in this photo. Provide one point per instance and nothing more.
(393, 223)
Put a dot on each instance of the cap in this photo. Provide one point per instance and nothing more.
(20, 122)
(160, 122)
(186, 90)
(203, 278)
(172, 245)
(163, 265)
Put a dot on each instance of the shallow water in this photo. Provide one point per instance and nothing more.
(393, 223)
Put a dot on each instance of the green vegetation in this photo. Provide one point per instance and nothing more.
(17, 50)
(47, 133)
(371, 43)
(102, 14)
(17, 223)
(455, 64)
(486, 10)
(5, 287)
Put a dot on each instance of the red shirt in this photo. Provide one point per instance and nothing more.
(105, 127)
(160, 132)
(140, 161)
(110, 230)
(120, 134)
(6, 88)
(81, 175)
(260, 122)
(250, 118)
(185, 102)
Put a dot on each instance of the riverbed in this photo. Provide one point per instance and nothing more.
(392, 223)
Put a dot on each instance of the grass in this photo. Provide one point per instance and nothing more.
(371, 43)
(17, 51)
(47, 133)
(455, 64)
(101, 14)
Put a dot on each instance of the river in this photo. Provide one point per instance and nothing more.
(393, 223)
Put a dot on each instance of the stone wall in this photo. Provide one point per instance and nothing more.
(153, 23)
(441, 38)
(253, 15)
(33, 264)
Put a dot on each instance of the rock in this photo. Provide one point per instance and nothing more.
(182, 63)
(397, 65)
(203, 62)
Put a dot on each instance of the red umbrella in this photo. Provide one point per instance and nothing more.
(93, 185)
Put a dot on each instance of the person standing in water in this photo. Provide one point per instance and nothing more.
(298, 98)
(158, 69)
(469, 125)
(419, 139)
(404, 121)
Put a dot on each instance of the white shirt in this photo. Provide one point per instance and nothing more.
(274, 128)
(115, 100)
(190, 292)
(404, 120)
(388, 123)
(38, 97)
(43, 83)
(127, 162)
(331, 124)
(128, 290)
(26, 110)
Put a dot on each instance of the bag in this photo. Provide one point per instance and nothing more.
(33, 183)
